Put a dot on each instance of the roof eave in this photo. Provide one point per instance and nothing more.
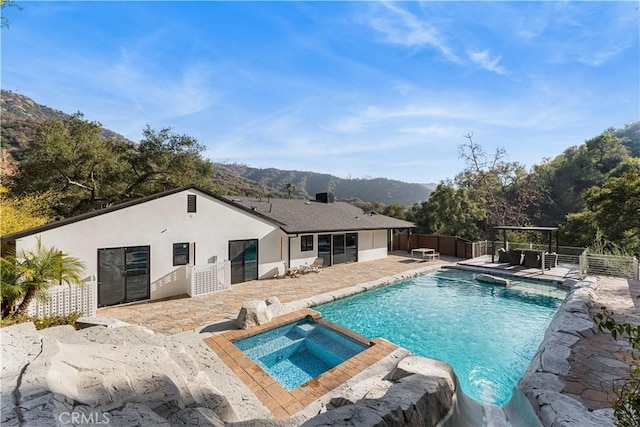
(66, 221)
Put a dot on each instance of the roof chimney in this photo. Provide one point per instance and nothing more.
(325, 197)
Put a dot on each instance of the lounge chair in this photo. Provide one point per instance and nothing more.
(316, 265)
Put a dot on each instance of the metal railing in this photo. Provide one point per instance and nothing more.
(570, 256)
(609, 265)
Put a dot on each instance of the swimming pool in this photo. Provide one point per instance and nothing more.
(297, 352)
(487, 334)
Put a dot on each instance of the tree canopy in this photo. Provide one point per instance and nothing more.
(85, 171)
(589, 190)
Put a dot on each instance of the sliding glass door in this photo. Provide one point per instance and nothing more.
(351, 247)
(123, 275)
(244, 260)
(324, 248)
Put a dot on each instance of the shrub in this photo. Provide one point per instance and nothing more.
(626, 409)
(42, 322)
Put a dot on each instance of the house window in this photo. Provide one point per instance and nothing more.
(306, 243)
(191, 202)
(180, 253)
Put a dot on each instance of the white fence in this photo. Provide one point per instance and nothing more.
(205, 279)
(64, 300)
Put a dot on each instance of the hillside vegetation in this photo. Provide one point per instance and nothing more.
(22, 117)
(381, 190)
(591, 190)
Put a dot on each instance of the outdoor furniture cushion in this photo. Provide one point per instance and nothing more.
(503, 255)
(531, 259)
(515, 256)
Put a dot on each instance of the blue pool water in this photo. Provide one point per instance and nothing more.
(488, 334)
(298, 352)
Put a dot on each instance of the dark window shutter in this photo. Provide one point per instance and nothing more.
(191, 202)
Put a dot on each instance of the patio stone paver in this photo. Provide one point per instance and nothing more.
(179, 314)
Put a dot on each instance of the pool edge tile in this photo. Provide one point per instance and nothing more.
(277, 399)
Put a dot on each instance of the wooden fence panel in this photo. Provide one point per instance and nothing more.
(445, 245)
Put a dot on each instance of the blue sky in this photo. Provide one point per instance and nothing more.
(356, 89)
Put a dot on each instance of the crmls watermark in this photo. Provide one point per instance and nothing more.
(79, 418)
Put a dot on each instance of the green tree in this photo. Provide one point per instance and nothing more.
(395, 210)
(10, 288)
(452, 212)
(85, 171)
(4, 22)
(579, 229)
(371, 207)
(503, 190)
(39, 269)
(71, 159)
(616, 209)
(568, 176)
(164, 160)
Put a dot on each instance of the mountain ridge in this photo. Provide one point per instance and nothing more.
(21, 116)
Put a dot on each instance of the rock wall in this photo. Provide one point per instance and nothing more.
(115, 376)
(542, 384)
(126, 375)
(418, 392)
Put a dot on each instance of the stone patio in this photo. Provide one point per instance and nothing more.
(179, 314)
(596, 361)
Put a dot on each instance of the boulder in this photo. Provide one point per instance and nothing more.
(128, 377)
(370, 388)
(414, 400)
(253, 313)
(424, 366)
(275, 306)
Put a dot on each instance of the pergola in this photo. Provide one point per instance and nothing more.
(504, 228)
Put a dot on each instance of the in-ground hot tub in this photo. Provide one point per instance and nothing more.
(300, 351)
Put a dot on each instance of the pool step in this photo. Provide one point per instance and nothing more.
(273, 346)
(305, 329)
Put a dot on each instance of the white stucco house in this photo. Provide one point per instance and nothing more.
(149, 248)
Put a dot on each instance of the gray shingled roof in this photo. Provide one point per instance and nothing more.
(309, 216)
(292, 215)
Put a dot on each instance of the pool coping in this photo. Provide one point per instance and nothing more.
(280, 402)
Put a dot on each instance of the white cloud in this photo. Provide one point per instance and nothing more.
(401, 27)
(483, 59)
(596, 58)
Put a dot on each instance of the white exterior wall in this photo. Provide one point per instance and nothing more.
(160, 223)
(372, 244)
(298, 257)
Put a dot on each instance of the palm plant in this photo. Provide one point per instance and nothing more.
(10, 289)
(37, 270)
(290, 187)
